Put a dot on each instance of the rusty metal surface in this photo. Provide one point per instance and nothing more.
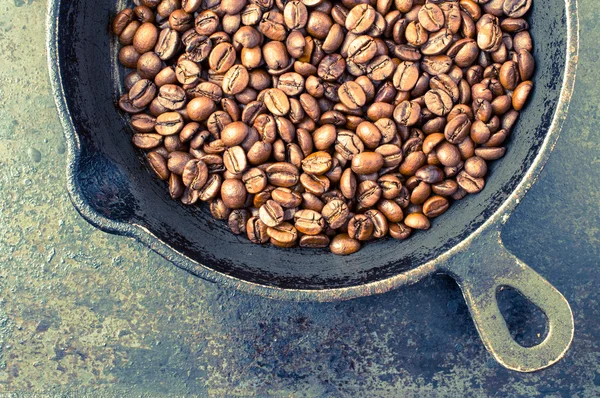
(85, 313)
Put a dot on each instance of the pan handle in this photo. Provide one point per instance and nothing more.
(485, 267)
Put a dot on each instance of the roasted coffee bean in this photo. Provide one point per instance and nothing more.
(352, 95)
(335, 213)
(417, 221)
(520, 95)
(200, 108)
(284, 233)
(314, 241)
(309, 222)
(195, 174)
(360, 18)
(360, 227)
(233, 193)
(282, 174)
(431, 17)
(399, 230)
(367, 162)
(271, 213)
(343, 244)
(169, 123)
(368, 193)
(407, 113)
(256, 230)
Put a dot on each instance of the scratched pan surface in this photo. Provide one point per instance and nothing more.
(113, 188)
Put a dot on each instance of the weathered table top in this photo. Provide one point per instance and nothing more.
(83, 312)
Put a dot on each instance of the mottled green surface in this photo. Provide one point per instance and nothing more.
(83, 312)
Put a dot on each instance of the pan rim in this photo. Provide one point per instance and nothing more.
(143, 235)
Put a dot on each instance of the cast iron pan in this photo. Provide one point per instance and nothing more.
(113, 189)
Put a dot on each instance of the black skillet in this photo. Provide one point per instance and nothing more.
(113, 189)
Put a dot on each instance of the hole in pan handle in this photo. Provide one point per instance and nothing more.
(480, 270)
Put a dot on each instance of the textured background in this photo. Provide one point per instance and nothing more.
(83, 312)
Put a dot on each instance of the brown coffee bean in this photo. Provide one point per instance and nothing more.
(282, 174)
(335, 213)
(233, 193)
(469, 183)
(158, 164)
(343, 245)
(368, 193)
(256, 230)
(324, 137)
(169, 123)
(172, 97)
(195, 174)
(417, 221)
(360, 227)
(367, 162)
(430, 174)
(431, 17)
(309, 222)
(360, 18)
(399, 231)
(317, 163)
(277, 102)
(271, 213)
(200, 108)
(146, 37)
(521, 94)
(435, 206)
(235, 80)
(438, 102)
(406, 76)
(314, 241)
(407, 113)
(284, 233)
(457, 129)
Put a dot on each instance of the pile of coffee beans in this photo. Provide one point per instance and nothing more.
(324, 123)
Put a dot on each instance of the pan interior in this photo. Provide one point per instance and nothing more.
(116, 182)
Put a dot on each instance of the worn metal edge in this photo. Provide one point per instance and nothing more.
(146, 237)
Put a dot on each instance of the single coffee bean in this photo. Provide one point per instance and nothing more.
(368, 193)
(367, 162)
(360, 227)
(431, 17)
(335, 213)
(399, 231)
(200, 108)
(407, 113)
(145, 38)
(235, 80)
(282, 174)
(158, 163)
(169, 123)
(233, 193)
(271, 213)
(343, 244)
(256, 230)
(314, 241)
(317, 163)
(284, 233)
(469, 183)
(435, 206)
(177, 190)
(520, 95)
(195, 174)
(219, 210)
(457, 129)
(417, 221)
(360, 18)
(309, 222)
(238, 220)
(277, 102)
